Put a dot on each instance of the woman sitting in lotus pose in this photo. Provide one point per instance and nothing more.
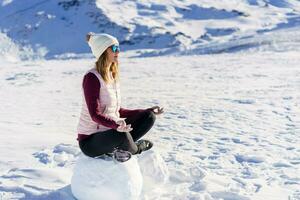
(104, 127)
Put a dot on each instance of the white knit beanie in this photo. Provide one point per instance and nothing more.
(100, 42)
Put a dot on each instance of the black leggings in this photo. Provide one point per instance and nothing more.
(106, 141)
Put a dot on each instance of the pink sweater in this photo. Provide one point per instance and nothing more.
(91, 88)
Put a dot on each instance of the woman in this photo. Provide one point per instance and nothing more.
(104, 127)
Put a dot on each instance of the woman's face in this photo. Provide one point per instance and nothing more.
(113, 56)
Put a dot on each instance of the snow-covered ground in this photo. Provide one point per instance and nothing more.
(230, 129)
(226, 72)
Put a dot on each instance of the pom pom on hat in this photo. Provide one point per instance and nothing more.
(100, 42)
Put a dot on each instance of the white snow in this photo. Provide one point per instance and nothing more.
(9, 51)
(52, 28)
(142, 177)
(230, 129)
(154, 171)
(95, 179)
(229, 84)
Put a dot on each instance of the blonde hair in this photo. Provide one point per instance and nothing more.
(103, 67)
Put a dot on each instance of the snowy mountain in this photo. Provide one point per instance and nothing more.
(148, 27)
(226, 72)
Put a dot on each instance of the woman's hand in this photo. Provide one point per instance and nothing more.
(123, 127)
(121, 122)
(157, 110)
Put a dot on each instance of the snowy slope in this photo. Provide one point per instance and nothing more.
(230, 130)
(149, 27)
(11, 51)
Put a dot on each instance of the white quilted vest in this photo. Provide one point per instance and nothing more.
(110, 101)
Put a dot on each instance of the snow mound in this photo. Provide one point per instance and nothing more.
(154, 170)
(139, 177)
(97, 179)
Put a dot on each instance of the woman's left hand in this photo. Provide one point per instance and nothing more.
(157, 110)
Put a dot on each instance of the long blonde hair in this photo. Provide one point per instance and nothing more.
(103, 67)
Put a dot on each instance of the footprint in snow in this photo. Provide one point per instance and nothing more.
(61, 155)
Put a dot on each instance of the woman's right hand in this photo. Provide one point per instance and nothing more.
(126, 128)
(123, 127)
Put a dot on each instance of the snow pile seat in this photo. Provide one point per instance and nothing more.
(103, 179)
